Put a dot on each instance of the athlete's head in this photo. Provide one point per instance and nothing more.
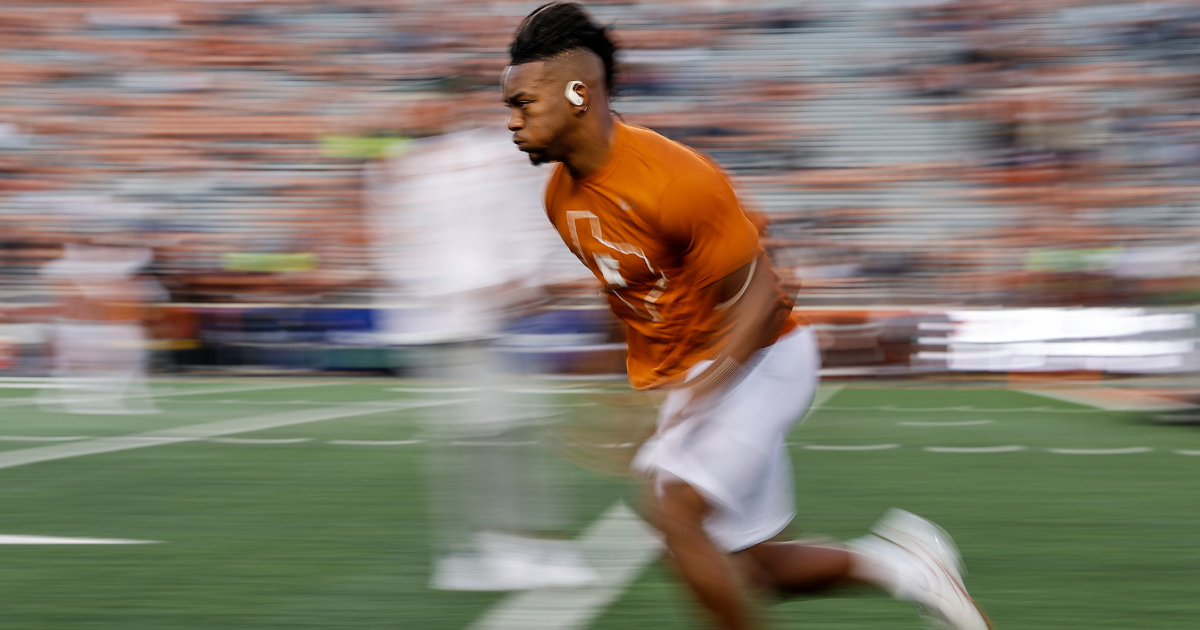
(560, 76)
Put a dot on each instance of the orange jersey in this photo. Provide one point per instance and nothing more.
(657, 224)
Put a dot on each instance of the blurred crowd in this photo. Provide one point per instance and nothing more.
(228, 140)
(1076, 184)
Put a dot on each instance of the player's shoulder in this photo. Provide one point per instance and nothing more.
(667, 158)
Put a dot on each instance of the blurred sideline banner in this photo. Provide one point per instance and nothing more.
(584, 340)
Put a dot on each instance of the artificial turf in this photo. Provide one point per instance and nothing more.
(320, 535)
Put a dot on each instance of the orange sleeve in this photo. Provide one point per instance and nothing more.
(699, 212)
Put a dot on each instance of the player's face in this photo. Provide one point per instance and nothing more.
(538, 113)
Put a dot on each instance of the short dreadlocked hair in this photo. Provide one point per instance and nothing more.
(556, 28)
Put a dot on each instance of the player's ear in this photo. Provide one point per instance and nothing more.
(577, 94)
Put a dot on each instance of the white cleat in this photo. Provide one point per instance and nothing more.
(507, 562)
(933, 570)
(536, 562)
(464, 572)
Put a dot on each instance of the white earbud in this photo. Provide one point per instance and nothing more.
(572, 95)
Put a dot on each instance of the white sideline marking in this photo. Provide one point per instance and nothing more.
(863, 447)
(974, 449)
(229, 440)
(375, 442)
(29, 402)
(1101, 451)
(961, 423)
(10, 539)
(9, 459)
(39, 438)
(618, 546)
(1188, 452)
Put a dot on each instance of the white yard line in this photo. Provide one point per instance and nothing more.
(960, 423)
(10, 539)
(618, 546)
(433, 390)
(849, 447)
(39, 438)
(230, 440)
(37, 386)
(375, 442)
(1012, 448)
(564, 390)
(1101, 451)
(21, 457)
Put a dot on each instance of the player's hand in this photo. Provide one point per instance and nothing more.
(707, 386)
(676, 408)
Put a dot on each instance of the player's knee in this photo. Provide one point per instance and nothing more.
(679, 507)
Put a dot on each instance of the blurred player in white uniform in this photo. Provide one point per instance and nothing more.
(100, 344)
(461, 237)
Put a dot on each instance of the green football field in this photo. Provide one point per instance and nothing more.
(280, 503)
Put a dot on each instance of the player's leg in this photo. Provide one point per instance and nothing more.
(722, 479)
(906, 556)
(707, 570)
(796, 568)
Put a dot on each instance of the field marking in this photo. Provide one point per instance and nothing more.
(618, 546)
(564, 390)
(37, 386)
(375, 442)
(1101, 451)
(899, 408)
(30, 402)
(194, 432)
(514, 390)
(1012, 448)
(863, 447)
(824, 393)
(554, 405)
(39, 438)
(1042, 409)
(1197, 453)
(960, 423)
(1111, 399)
(492, 443)
(11, 539)
(433, 390)
(231, 440)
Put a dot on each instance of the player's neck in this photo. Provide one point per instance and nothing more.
(594, 147)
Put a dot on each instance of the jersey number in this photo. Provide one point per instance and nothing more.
(610, 269)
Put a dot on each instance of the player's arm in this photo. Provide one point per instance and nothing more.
(720, 247)
(749, 301)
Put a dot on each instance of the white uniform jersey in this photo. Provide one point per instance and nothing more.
(453, 220)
